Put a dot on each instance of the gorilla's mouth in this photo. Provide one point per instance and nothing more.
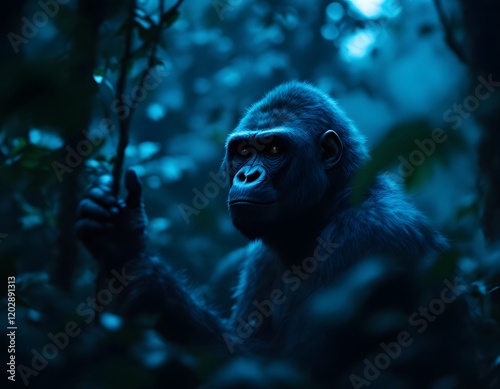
(250, 202)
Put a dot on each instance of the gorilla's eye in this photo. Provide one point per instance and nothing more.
(274, 150)
(245, 152)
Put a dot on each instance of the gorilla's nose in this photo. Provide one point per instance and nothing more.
(249, 176)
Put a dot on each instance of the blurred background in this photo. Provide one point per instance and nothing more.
(173, 78)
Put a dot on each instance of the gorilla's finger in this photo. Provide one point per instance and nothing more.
(86, 228)
(102, 197)
(93, 210)
(134, 187)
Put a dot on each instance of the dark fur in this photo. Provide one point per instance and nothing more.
(385, 223)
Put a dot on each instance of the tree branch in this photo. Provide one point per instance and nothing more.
(82, 57)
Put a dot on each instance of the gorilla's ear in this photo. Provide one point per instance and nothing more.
(331, 149)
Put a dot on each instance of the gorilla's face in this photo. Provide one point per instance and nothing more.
(276, 175)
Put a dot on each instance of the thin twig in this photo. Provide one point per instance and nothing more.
(165, 17)
(120, 92)
(449, 34)
(153, 42)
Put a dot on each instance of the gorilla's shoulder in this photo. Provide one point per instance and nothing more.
(386, 222)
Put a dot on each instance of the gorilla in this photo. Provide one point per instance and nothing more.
(289, 164)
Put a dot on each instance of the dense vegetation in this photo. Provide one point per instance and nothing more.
(94, 86)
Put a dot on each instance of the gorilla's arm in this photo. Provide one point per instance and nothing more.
(114, 232)
(183, 317)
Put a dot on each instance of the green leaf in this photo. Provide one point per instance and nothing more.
(100, 71)
(471, 209)
(445, 266)
(414, 149)
(19, 144)
(398, 142)
(420, 176)
(145, 33)
(170, 17)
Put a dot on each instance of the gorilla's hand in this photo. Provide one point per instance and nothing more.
(113, 230)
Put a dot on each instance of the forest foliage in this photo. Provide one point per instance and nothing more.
(91, 87)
